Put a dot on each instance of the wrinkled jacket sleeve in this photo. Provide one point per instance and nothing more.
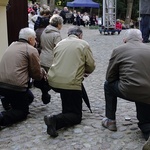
(57, 39)
(89, 61)
(35, 70)
(112, 73)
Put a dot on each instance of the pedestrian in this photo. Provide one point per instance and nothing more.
(145, 20)
(118, 27)
(41, 23)
(127, 77)
(73, 60)
(42, 19)
(63, 14)
(18, 65)
(48, 40)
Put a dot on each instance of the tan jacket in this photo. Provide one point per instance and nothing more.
(72, 58)
(19, 63)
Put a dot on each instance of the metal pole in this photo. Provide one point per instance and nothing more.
(139, 19)
(104, 12)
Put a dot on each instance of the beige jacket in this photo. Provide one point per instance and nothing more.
(72, 59)
(19, 63)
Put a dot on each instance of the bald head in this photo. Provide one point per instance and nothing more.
(132, 34)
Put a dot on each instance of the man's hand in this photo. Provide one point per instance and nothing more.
(44, 74)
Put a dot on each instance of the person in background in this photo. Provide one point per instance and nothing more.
(74, 17)
(41, 23)
(86, 19)
(118, 27)
(48, 40)
(132, 24)
(30, 21)
(127, 77)
(73, 60)
(93, 20)
(20, 62)
(63, 14)
(145, 20)
(78, 18)
(43, 18)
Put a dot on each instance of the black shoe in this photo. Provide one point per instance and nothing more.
(146, 41)
(146, 135)
(46, 98)
(50, 121)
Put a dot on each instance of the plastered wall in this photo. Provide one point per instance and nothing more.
(3, 27)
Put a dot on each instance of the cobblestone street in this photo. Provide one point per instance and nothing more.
(89, 135)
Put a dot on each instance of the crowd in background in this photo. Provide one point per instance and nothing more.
(73, 17)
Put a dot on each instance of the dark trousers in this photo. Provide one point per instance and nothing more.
(42, 84)
(145, 27)
(71, 108)
(19, 102)
(143, 110)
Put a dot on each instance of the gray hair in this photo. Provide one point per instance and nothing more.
(133, 34)
(55, 20)
(26, 33)
(75, 31)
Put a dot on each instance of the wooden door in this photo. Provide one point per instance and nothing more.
(17, 18)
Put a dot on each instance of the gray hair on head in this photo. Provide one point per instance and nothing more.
(133, 34)
(55, 20)
(75, 31)
(26, 33)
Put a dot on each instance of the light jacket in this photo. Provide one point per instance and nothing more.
(129, 64)
(72, 58)
(19, 63)
(49, 38)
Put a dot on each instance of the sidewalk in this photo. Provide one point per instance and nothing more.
(89, 135)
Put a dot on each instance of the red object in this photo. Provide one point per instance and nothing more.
(30, 9)
(118, 25)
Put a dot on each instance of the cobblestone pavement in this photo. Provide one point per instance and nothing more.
(89, 135)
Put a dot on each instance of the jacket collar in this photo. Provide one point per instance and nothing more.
(23, 40)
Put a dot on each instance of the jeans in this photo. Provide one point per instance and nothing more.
(145, 27)
(111, 91)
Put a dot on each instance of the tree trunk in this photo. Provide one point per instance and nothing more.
(43, 2)
(52, 5)
(128, 13)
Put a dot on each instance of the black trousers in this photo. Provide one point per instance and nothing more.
(42, 84)
(143, 110)
(19, 102)
(71, 108)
